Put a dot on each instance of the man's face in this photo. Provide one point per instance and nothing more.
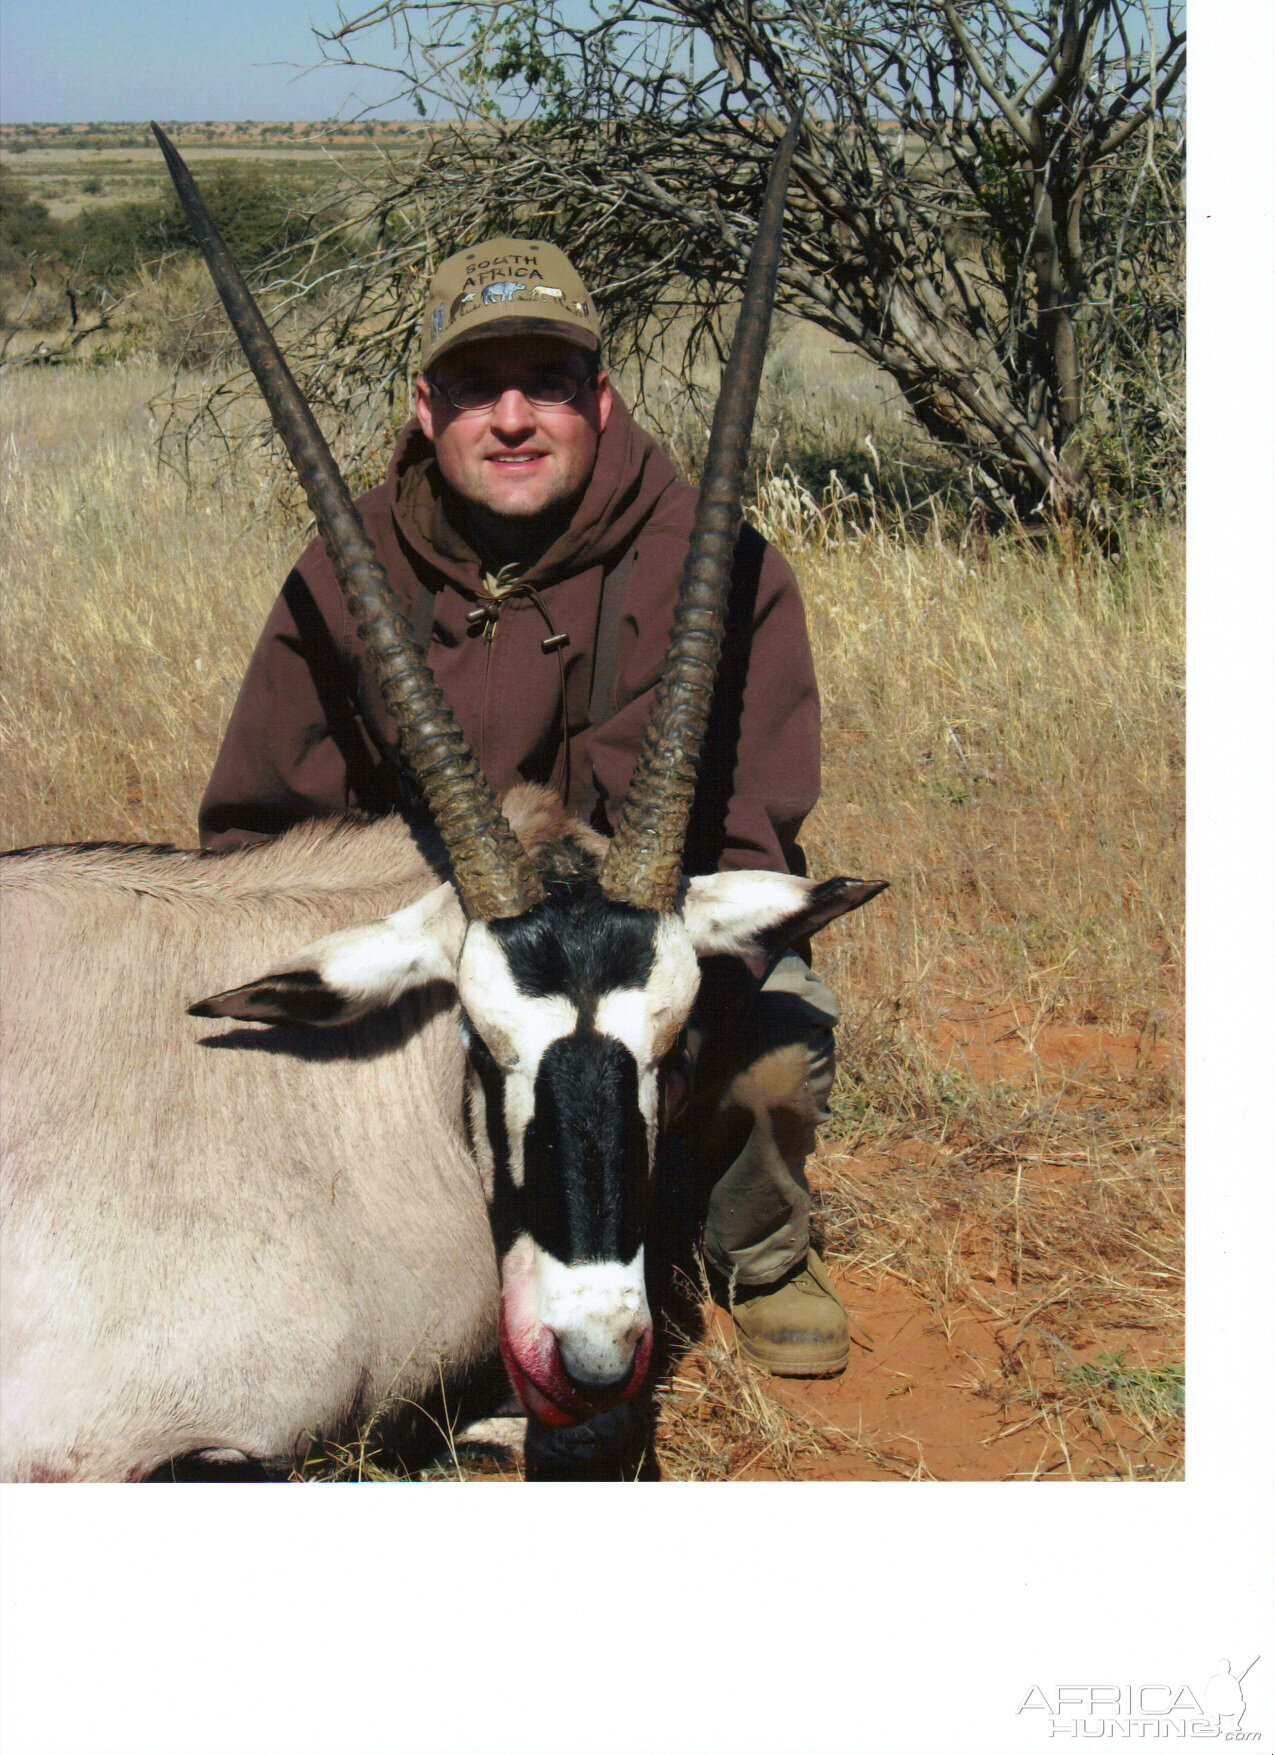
(515, 460)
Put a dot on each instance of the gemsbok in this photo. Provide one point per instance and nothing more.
(233, 1227)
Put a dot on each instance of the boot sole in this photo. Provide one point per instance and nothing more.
(790, 1365)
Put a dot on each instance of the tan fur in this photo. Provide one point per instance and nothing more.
(218, 1237)
(539, 818)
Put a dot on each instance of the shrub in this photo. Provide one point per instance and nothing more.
(27, 228)
(255, 212)
(115, 240)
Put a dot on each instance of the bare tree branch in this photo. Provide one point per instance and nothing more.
(985, 202)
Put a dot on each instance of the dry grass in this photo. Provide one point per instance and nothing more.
(130, 609)
(1003, 740)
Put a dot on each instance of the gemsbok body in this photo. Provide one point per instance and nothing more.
(424, 1121)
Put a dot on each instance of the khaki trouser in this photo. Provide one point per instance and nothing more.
(763, 1067)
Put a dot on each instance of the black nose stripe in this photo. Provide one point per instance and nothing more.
(585, 1160)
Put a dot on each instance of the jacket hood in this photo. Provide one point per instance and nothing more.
(629, 477)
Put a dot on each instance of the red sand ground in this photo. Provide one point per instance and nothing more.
(941, 1392)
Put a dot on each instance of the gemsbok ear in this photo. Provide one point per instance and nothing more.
(344, 976)
(757, 914)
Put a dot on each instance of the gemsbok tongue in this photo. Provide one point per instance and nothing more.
(548, 1393)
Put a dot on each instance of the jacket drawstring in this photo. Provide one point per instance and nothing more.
(556, 643)
(485, 616)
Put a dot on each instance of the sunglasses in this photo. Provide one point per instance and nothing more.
(472, 392)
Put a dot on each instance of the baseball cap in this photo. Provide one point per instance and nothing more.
(507, 286)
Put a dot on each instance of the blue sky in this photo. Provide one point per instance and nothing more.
(184, 60)
(129, 60)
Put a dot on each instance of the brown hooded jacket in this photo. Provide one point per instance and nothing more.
(309, 735)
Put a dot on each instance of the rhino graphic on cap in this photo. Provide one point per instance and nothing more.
(499, 290)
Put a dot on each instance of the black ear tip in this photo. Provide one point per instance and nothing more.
(864, 889)
(854, 890)
(841, 895)
(202, 1008)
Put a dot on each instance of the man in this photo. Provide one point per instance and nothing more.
(536, 536)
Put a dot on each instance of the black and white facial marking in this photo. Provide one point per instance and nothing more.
(573, 1016)
(572, 1009)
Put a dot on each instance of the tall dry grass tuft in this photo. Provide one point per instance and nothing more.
(130, 608)
(1003, 738)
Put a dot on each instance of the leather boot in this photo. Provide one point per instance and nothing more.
(795, 1327)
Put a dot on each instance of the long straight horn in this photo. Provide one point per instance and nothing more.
(643, 865)
(493, 875)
